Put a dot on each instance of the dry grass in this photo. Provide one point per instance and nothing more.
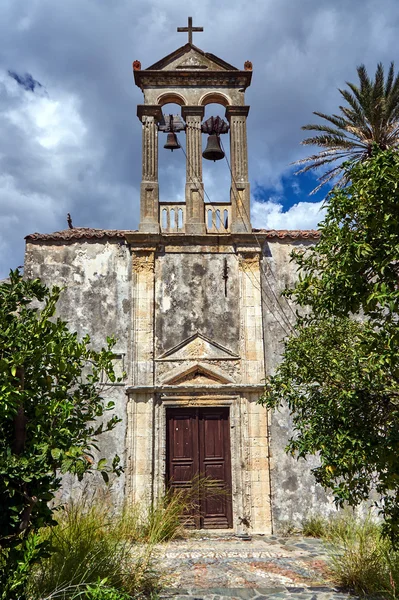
(99, 553)
(360, 558)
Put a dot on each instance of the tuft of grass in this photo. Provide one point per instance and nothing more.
(286, 529)
(315, 526)
(98, 553)
(361, 559)
(87, 548)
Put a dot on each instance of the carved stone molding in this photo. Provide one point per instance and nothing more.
(249, 261)
(236, 111)
(149, 110)
(143, 262)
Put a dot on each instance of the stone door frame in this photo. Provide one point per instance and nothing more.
(238, 435)
(145, 471)
(145, 464)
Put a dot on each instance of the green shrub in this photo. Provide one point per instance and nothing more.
(101, 591)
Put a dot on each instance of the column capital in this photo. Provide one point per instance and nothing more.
(149, 110)
(236, 111)
(192, 111)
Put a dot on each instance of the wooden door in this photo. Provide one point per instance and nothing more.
(198, 444)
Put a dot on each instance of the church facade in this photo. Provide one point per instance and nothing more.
(194, 299)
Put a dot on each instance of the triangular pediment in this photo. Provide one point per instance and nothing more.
(191, 58)
(198, 374)
(198, 347)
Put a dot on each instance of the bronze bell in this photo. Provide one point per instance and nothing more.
(171, 142)
(213, 150)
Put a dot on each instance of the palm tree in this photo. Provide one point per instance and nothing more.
(371, 117)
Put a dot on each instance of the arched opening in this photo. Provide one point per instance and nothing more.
(171, 175)
(214, 98)
(171, 98)
(216, 175)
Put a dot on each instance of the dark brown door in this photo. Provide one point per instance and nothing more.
(198, 444)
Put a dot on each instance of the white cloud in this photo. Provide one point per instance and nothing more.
(75, 145)
(270, 215)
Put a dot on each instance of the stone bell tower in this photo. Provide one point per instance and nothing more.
(197, 333)
(193, 78)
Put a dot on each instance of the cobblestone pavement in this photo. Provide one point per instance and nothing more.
(222, 567)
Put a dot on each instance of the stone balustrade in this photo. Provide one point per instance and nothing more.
(218, 218)
(172, 217)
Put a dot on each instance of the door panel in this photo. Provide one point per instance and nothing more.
(198, 443)
(214, 449)
(182, 455)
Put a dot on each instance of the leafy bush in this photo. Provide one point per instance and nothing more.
(339, 373)
(50, 402)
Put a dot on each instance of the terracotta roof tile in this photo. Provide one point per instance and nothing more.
(88, 233)
(77, 233)
(294, 234)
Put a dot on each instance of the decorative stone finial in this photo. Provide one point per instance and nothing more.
(136, 65)
(247, 65)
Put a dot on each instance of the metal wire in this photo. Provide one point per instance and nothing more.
(254, 281)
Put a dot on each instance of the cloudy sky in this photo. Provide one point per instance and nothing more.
(70, 140)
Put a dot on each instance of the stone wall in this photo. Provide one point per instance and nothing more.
(295, 494)
(156, 301)
(96, 301)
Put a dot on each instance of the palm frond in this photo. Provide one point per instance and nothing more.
(325, 128)
(389, 81)
(336, 120)
(354, 104)
(370, 116)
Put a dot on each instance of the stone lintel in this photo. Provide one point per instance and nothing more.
(193, 389)
(248, 248)
(192, 111)
(210, 239)
(149, 110)
(185, 79)
(236, 111)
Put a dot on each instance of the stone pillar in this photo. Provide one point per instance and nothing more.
(259, 466)
(195, 211)
(140, 410)
(149, 116)
(251, 334)
(143, 316)
(139, 447)
(240, 192)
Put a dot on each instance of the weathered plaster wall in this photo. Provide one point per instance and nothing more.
(96, 301)
(186, 289)
(190, 298)
(295, 493)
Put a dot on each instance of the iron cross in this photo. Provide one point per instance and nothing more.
(190, 29)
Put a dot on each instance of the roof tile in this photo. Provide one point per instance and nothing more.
(88, 233)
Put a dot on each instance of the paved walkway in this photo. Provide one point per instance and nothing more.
(224, 567)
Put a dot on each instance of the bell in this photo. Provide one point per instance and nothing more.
(213, 150)
(171, 142)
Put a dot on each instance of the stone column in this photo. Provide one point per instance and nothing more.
(195, 211)
(140, 409)
(251, 334)
(143, 316)
(149, 116)
(239, 193)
